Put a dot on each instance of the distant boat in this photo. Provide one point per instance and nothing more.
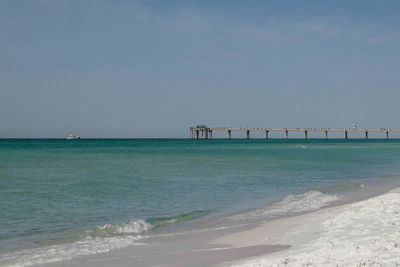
(72, 136)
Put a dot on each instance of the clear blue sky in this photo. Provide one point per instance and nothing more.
(155, 68)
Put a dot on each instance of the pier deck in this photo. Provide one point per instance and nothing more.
(207, 133)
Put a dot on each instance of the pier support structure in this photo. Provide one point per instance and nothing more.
(198, 133)
(286, 133)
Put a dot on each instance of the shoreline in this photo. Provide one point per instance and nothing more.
(276, 242)
(359, 233)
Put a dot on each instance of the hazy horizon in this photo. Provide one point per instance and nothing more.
(155, 68)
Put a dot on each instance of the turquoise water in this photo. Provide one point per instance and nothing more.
(60, 192)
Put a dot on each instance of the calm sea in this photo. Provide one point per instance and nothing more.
(63, 198)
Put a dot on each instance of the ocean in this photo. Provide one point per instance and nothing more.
(60, 199)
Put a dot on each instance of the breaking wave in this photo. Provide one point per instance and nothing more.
(291, 205)
(132, 227)
(95, 240)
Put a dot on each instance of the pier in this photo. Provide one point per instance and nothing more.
(207, 132)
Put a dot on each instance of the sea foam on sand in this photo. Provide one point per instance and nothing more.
(365, 233)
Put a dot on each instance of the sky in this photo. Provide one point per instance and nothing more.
(155, 68)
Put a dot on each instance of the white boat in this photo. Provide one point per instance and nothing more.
(72, 136)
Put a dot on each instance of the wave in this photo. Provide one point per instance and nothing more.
(175, 219)
(59, 252)
(291, 205)
(95, 240)
(342, 187)
(132, 227)
(142, 226)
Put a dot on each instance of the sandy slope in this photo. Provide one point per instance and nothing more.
(355, 234)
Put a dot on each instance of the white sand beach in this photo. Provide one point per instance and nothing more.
(364, 233)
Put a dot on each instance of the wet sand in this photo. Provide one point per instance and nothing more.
(184, 249)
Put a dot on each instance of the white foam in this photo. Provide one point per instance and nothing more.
(293, 204)
(133, 227)
(91, 244)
